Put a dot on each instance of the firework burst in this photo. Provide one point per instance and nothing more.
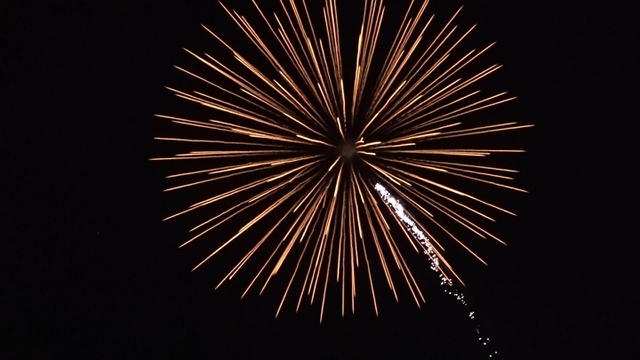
(308, 138)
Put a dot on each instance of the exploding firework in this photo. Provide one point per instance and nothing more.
(316, 139)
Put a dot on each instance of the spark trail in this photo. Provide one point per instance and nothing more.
(413, 227)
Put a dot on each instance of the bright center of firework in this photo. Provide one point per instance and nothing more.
(347, 149)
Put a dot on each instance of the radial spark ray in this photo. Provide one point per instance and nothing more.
(305, 146)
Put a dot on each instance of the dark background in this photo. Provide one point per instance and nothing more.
(92, 272)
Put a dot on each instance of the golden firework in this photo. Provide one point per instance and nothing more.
(305, 145)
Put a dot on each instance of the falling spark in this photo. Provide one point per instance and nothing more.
(406, 220)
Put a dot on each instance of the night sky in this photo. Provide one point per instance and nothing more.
(91, 271)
